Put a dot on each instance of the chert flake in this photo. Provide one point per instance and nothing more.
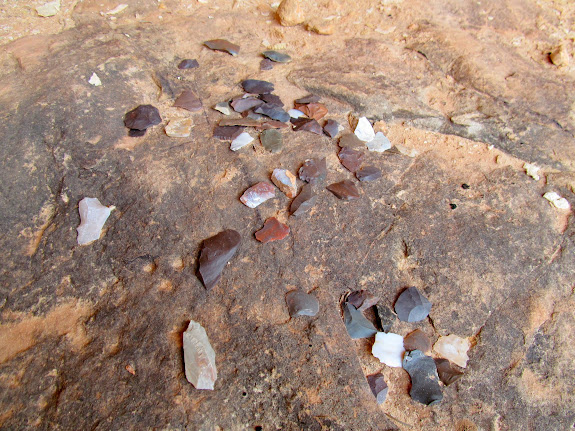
(307, 124)
(425, 387)
(258, 194)
(412, 306)
(273, 230)
(272, 140)
(189, 101)
(301, 304)
(313, 171)
(331, 128)
(285, 181)
(216, 253)
(356, 324)
(351, 141)
(453, 348)
(351, 159)
(266, 64)
(313, 110)
(227, 133)
(294, 113)
(304, 201)
(179, 128)
(242, 104)
(378, 387)
(142, 117)
(368, 173)
(417, 340)
(344, 190)
(388, 348)
(199, 357)
(384, 317)
(95, 80)
(93, 215)
(255, 86)
(223, 45)
(364, 130)
(446, 371)
(188, 64)
(557, 200)
(278, 57)
(273, 111)
(361, 299)
(241, 141)
(272, 100)
(224, 108)
(379, 143)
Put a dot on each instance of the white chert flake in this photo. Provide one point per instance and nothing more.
(453, 348)
(224, 108)
(557, 200)
(95, 80)
(93, 215)
(199, 357)
(295, 113)
(364, 130)
(532, 170)
(241, 141)
(388, 348)
(379, 144)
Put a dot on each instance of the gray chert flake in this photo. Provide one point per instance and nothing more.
(304, 201)
(412, 306)
(273, 111)
(272, 140)
(278, 57)
(425, 387)
(313, 171)
(199, 357)
(379, 144)
(368, 173)
(255, 86)
(93, 216)
(356, 324)
(301, 304)
(378, 387)
(223, 45)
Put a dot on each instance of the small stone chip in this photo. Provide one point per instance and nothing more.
(266, 64)
(300, 303)
(379, 144)
(243, 104)
(272, 100)
(278, 57)
(351, 159)
(285, 181)
(356, 324)
(368, 173)
(378, 387)
(361, 299)
(304, 201)
(425, 387)
(188, 64)
(274, 112)
(417, 340)
(179, 128)
(199, 357)
(412, 306)
(241, 141)
(557, 201)
(349, 140)
(189, 101)
(273, 230)
(331, 128)
(258, 194)
(453, 348)
(223, 45)
(142, 117)
(93, 216)
(95, 80)
(255, 86)
(216, 253)
(364, 130)
(307, 124)
(446, 371)
(227, 133)
(224, 108)
(388, 348)
(344, 190)
(272, 140)
(384, 317)
(313, 171)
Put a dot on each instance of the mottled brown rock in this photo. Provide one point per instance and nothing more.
(344, 190)
(273, 230)
(216, 253)
(189, 101)
(351, 159)
(417, 340)
(313, 110)
(223, 45)
(309, 125)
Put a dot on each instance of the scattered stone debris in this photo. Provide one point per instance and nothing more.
(304, 201)
(331, 128)
(188, 64)
(447, 372)
(384, 317)
(93, 216)
(532, 171)
(189, 101)
(412, 306)
(361, 299)
(417, 340)
(278, 57)
(349, 140)
(453, 348)
(379, 144)
(241, 141)
(224, 108)
(216, 253)
(351, 159)
(313, 110)
(272, 140)
(310, 98)
(308, 125)
(255, 86)
(179, 128)
(425, 387)
(199, 357)
(223, 45)
(95, 80)
(48, 9)
(273, 112)
(409, 152)
(258, 194)
(344, 190)
(300, 303)
(356, 324)
(266, 64)
(242, 104)
(273, 230)
(368, 173)
(313, 171)
(364, 130)
(295, 113)
(388, 348)
(558, 201)
(378, 387)
(142, 117)
(285, 181)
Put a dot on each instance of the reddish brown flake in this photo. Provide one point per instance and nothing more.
(313, 110)
(227, 133)
(188, 100)
(266, 64)
(344, 190)
(417, 340)
(271, 124)
(351, 159)
(313, 171)
(307, 124)
(273, 230)
(331, 128)
(142, 117)
(362, 299)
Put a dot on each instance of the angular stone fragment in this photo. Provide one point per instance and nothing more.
(266, 64)
(258, 194)
(557, 201)
(95, 80)
(349, 140)
(93, 216)
(412, 306)
(368, 173)
(300, 303)
(224, 108)
(378, 387)
(388, 348)
(311, 98)
(179, 128)
(241, 141)
(417, 340)
(142, 117)
(313, 110)
(199, 357)
(532, 170)
(243, 104)
(351, 159)
(308, 125)
(425, 387)
(227, 133)
(273, 111)
(272, 99)
(356, 324)
(216, 253)
(273, 230)
(446, 371)
(272, 140)
(188, 100)
(453, 348)
(255, 86)
(285, 181)
(331, 128)
(223, 45)
(379, 143)
(188, 64)
(344, 190)
(245, 122)
(278, 57)
(364, 131)
(313, 171)
(361, 299)
(384, 317)
(304, 201)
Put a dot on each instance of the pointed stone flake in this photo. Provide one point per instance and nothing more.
(241, 141)
(224, 108)
(93, 216)
(378, 387)
(278, 57)
(313, 110)
(361, 299)
(385, 317)
(344, 190)
(308, 125)
(258, 194)
(368, 173)
(300, 303)
(412, 306)
(142, 117)
(223, 45)
(188, 100)
(304, 201)
(307, 99)
(351, 159)
(216, 253)
(179, 128)
(188, 64)
(446, 371)
(313, 171)
(227, 133)
(266, 64)
(379, 144)
(272, 100)
(388, 348)
(356, 324)
(364, 130)
(199, 357)
(331, 128)
(453, 348)
(274, 112)
(273, 230)
(285, 181)
(425, 387)
(255, 86)
(242, 104)
(417, 340)
(272, 140)
(349, 140)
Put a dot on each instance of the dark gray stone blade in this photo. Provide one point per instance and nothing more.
(301, 304)
(304, 201)
(255, 86)
(412, 306)
(378, 387)
(356, 324)
(273, 112)
(142, 117)
(278, 57)
(216, 253)
(425, 387)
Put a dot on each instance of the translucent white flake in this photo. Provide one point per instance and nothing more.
(388, 348)
(379, 144)
(557, 200)
(364, 130)
(93, 215)
(199, 357)
(241, 141)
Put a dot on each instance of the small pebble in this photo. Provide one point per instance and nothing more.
(300, 303)
(188, 64)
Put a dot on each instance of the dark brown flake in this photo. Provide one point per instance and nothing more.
(307, 124)
(188, 100)
(227, 133)
(344, 190)
(351, 159)
(256, 86)
(142, 117)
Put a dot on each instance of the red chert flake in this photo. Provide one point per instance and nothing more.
(273, 230)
